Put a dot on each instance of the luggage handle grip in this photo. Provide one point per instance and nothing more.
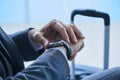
(92, 13)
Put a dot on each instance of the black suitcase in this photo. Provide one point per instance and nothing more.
(87, 70)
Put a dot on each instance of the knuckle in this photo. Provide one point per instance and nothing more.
(69, 28)
(62, 29)
(54, 22)
(73, 26)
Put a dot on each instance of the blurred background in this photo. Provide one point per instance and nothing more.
(18, 15)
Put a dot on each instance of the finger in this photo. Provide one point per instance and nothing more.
(44, 41)
(81, 45)
(77, 31)
(57, 26)
(40, 39)
(71, 33)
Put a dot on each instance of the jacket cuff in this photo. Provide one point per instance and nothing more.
(26, 48)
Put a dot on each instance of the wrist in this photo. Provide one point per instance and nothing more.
(64, 45)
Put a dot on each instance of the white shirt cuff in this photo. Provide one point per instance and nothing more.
(33, 44)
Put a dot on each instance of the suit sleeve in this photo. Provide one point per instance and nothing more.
(23, 43)
(51, 65)
(108, 74)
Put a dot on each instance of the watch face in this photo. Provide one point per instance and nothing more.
(55, 44)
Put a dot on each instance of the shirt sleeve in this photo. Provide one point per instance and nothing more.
(33, 44)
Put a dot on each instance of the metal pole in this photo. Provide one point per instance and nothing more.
(72, 71)
(72, 66)
(106, 47)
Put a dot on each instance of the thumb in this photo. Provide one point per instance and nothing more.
(40, 39)
(44, 42)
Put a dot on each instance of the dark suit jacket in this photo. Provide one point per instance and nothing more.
(51, 65)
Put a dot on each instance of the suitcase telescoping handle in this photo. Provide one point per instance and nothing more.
(106, 17)
(97, 14)
(91, 13)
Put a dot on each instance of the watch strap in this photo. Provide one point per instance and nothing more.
(64, 44)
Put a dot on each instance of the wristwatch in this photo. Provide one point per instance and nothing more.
(64, 44)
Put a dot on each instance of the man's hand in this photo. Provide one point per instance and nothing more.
(56, 30)
(76, 48)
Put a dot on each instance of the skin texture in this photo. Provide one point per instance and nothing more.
(76, 48)
(57, 30)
